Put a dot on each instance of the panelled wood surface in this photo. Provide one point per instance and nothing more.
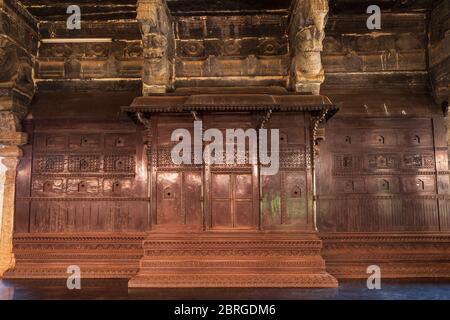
(92, 177)
(231, 196)
(85, 177)
(376, 175)
(383, 174)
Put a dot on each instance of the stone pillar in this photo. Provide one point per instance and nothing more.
(158, 46)
(9, 159)
(306, 33)
(10, 140)
(2, 188)
(18, 47)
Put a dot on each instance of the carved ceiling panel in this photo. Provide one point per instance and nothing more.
(49, 10)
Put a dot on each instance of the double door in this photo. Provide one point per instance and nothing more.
(233, 201)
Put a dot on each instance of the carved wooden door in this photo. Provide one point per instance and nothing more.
(232, 201)
(179, 199)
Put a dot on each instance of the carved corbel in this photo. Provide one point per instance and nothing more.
(10, 127)
(158, 43)
(15, 70)
(147, 123)
(16, 92)
(306, 33)
(8, 60)
(143, 120)
(196, 116)
(23, 79)
(318, 132)
(266, 119)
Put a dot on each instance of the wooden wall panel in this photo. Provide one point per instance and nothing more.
(177, 189)
(285, 195)
(84, 178)
(178, 198)
(379, 174)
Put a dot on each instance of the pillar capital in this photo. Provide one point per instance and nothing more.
(8, 154)
(10, 127)
(12, 138)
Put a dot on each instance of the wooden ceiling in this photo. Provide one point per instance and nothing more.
(360, 6)
(208, 6)
(50, 10)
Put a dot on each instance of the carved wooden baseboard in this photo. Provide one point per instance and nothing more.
(232, 260)
(99, 256)
(399, 255)
(217, 260)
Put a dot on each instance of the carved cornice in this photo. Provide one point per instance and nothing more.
(235, 245)
(77, 237)
(186, 108)
(46, 199)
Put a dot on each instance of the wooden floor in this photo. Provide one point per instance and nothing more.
(117, 289)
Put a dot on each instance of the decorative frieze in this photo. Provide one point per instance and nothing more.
(91, 58)
(231, 50)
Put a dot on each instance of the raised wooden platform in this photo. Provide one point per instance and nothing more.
(232, 260)
(47, 256)
(399, 255)
(283, 261)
